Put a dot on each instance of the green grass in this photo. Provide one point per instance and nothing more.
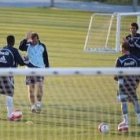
(64, 32)
(73, 106)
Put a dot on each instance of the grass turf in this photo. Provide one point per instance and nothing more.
(72, 106)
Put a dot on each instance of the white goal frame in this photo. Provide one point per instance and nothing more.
(58, 71)
(118, 17)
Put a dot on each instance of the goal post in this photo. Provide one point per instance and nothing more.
(75, 101)
(106, 31)
(68, 71)
(98, 31)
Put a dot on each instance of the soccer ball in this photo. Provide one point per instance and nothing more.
(16, 115)
(103, 127)
(123, 127)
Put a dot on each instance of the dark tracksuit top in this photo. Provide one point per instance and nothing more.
(15, 58)
(128, 84)
(134, 43)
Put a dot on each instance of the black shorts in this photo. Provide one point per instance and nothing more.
(127, 88)
(130, 96)
(7, 85)
(34, 79)
(128, 92)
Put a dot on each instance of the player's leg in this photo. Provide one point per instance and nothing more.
(31, 92)
(7, 88)
(10, 106)
(137, 110)
(132, 96)
(122, 96)
(31, 96)
(136, 105)
(39, 93)
(124, 108)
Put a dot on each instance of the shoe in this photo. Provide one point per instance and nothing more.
(15, 117)
(33, 108)
(38, 107)
(123, 127)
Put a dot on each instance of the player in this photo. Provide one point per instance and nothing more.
(127, 85)
(9, 58)
(134, 40)
(38, 58)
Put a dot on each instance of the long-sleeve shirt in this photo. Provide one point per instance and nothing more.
(37, 54)
(134, 43)
(12, 55)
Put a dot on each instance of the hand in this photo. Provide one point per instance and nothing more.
(28, 37)
(26, 59)
(125, 40)
(116, 78)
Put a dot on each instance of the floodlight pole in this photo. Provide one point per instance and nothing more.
(51, 3)
(135, 4)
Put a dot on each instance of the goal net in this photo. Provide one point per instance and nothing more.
(106, 31)
(75, 102)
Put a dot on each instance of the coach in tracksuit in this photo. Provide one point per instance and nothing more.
(38, 58)
(9, 58)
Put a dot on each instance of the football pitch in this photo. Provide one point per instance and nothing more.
(73, 106)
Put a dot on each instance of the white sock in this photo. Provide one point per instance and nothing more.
(38, 103)
(10, 106)
(138, 117)
(125, 117)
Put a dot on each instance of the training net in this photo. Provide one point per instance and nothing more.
(75, 102)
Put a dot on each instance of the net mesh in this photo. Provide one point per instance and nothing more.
(73, 107)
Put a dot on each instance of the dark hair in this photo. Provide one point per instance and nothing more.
(10, 40)
(135, 25)
(125, 46)
(34, 35)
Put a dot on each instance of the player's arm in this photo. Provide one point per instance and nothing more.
(18, 58)
(117, 64)
(23, 45)
(45, 56)
(25, 42)
(137, 43)
(129, 39)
